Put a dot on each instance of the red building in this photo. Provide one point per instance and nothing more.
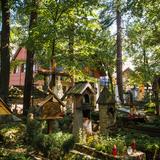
(17, 76)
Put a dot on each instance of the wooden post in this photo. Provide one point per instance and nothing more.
(49, 128)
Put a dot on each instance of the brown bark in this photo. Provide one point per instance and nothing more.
(29, 63)
(53, 66)
(155, 89)
(71, 46)
(119, 52)
(156, 94)
(5, 56)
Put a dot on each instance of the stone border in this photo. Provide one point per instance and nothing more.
(94, 153)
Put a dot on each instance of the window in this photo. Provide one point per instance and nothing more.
(86, 98)
(16, 70)
(22, 68)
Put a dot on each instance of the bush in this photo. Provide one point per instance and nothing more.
(106, 144)
(144, 142)
(122, 140)
(17, 156)
(53, 145)
(12, 133)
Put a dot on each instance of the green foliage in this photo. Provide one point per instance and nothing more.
(16, 156)
(143, 141)
(122, 140)
(12, 133)
(142, 39)
(54, 145)
(105, 144)
(65, 124)
(33, 128)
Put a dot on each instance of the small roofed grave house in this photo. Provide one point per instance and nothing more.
(50, 109)
(127, 74)
(83, 99)
(6, 114)
(107, 111)
(130, 92)
(4, 110)
(16, 98)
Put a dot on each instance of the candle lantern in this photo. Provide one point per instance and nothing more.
(133, 145)
(114, 151)
(129, 150)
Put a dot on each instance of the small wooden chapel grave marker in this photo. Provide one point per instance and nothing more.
(83, 99)
(107, 114)
(6, 114)
(4, 110)
(50, 110)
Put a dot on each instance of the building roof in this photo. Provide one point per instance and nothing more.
(79, 88)
(105, 97)
(49, 98)
(21, 54)
(4, 109)
(51, 109)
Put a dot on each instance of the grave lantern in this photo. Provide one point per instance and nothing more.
(107, 114)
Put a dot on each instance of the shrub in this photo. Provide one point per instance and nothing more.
(143, 142)
(17, 156)
(106, 144)
(53, 145)
(12, 133)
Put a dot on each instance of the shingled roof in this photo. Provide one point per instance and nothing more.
(79, 88)
(105, 97)
(4, 110)
(51, 109)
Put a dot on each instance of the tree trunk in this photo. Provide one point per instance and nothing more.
(53, 66)
(71, 46)
(145, 70)
(29, 63)
(156, 94)
(5, 56)
(119, 51)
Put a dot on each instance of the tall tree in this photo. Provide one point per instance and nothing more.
(29, 61)
(5, 55)
(113, 11)
(119, 50)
